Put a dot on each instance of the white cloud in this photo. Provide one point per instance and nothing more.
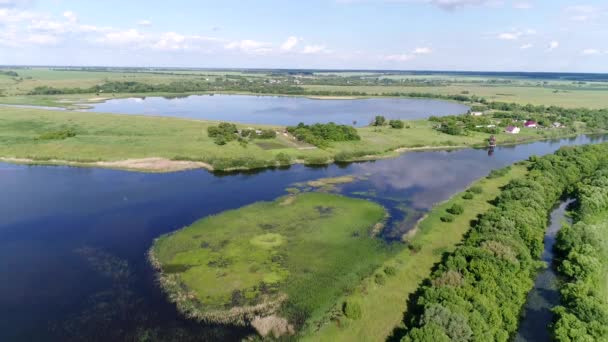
(312, 49)
(290, 43)
(144, 23)
(42, 39)
(399, 58)
(128, 37)
(591, 52)
(422, 51)
(250, 46)
(516, 34)
(70, 16)
(526, 46)
(14, 3)
(553, 45)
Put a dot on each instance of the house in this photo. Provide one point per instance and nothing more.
(476, 113)
(512, 130)
(531, 124)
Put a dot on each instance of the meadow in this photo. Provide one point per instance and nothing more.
(98, 138)
(303, 251)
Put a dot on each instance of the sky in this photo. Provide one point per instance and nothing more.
(471, 35)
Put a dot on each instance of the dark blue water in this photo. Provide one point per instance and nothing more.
(73, 240)
(281, 110)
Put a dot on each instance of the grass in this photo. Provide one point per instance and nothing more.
(309, 248)
(114, 137)
(383, 306)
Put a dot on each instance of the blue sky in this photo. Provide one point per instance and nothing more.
(509, 35)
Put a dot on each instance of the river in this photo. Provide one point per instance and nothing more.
(73, 240)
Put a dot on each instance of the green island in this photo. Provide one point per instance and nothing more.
(274, 265)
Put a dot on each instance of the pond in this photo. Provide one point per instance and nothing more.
(280, 110)
(73, 241)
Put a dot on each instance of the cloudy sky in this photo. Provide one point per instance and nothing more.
(509, 35)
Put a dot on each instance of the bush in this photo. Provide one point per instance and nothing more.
(351, 309)
(379, 120)
(379, 279)
(222, 133)
(455, 209)
(476, 189)
(283, 158)
(58, 135)
(447, 218)
(321, 135)
(468, 196)
(390, 271)
(267, 134)
(499, 173)
(398, 124)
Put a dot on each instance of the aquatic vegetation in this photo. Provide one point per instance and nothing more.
(292, 258)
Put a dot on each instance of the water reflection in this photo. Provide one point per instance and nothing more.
(281, 110)
(51, 291)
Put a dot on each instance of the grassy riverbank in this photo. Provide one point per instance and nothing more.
(167, 144)
(383, 306)
(291, 258)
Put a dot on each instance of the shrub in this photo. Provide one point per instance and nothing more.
(398, 124)
(455, 209)
(58, 134)
(283, 158)
(499, 173)
(476, 189)
(379, 120)
(321, 135)
(267, 134)
(390, 270)
(351, 309)
(467, 196)
(379, 279)
(447, 218)
(222, 133)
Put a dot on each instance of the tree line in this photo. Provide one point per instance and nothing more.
(582, 249)
(478, 291)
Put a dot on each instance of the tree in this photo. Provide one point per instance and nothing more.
(379, 120)
(398, 124)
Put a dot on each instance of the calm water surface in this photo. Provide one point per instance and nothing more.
(281, 110)
(544, 296)
(73, 240)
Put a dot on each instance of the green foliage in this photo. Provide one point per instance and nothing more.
(398, 124)
(478, 189)
(390, 271)
(352, 309)
(583, 247)
(447, 218)
(58, 134)
(379, 120)
(468, 196)
(456, 209)
(322, 134)
(283, 158)
(477, 292)
(222, 133)
(379, 279)
(499, 172)
(267, 134)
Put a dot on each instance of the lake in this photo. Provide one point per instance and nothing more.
(73, 241)
(280, 110)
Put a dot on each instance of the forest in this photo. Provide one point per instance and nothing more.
(478, 291)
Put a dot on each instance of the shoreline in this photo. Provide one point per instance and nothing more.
(166, 165)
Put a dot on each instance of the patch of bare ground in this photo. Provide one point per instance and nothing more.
(275, 325)
(141, 164)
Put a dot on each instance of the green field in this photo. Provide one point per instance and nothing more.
(303, 251)
(114, 138)
(383, 306)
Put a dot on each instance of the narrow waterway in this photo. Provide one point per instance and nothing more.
(537, 314)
